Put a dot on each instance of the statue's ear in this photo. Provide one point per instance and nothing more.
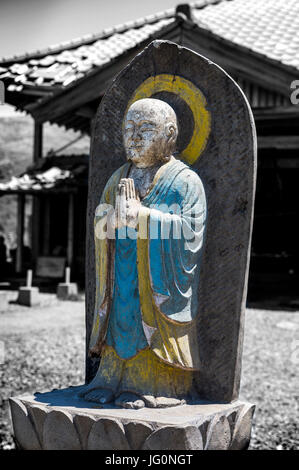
(171, 132)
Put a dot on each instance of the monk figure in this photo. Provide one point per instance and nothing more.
(149, 232)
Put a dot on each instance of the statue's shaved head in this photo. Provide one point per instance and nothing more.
(154, 108)
(150, 131)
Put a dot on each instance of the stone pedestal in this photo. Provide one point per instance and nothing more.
(28, 296)
(66, 290)
(60, 420)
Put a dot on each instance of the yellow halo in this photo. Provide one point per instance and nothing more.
(194, 99)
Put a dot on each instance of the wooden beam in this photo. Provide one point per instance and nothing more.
(281, 113)
(287, 163)
(86, 111)
(285, 142)
(20, 232)
(38, 141)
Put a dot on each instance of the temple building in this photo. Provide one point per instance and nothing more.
(256, 42)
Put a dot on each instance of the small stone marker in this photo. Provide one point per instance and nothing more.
(28, 295)
(67, 289)
(29, 278)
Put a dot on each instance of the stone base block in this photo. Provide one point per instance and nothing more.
(66, 290)
(28, 296)
(59, 420)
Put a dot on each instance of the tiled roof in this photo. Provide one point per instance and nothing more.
(61, 65)
(268, 27)
(50, 173)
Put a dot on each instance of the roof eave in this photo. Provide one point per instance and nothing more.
(245, 62)
(93, 85)
(87, 39)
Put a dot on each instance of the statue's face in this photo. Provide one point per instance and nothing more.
(149, 132)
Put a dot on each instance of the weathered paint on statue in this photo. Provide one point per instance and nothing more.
(149, 230)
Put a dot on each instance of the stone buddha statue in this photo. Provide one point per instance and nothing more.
(149, 233)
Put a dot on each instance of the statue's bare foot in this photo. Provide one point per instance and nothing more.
(129, 400)
(83, 390)
(161, 402)
(99, 395)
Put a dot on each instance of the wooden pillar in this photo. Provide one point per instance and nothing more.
(38, 141)
(35, 223)
(46, 227)
(20, 232)
(70, 231)
(37, 154)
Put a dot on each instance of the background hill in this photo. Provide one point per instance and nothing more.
(16, 149)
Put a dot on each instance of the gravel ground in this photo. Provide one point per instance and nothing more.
(44, 349)
(270, 377)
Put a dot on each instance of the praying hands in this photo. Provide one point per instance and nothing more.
(127, 204)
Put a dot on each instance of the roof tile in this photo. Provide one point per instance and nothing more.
(268, 27)
(69, 64)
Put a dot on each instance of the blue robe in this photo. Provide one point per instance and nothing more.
(154, 293)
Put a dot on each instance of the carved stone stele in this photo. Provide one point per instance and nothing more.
(226, 161)
(224, 155)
